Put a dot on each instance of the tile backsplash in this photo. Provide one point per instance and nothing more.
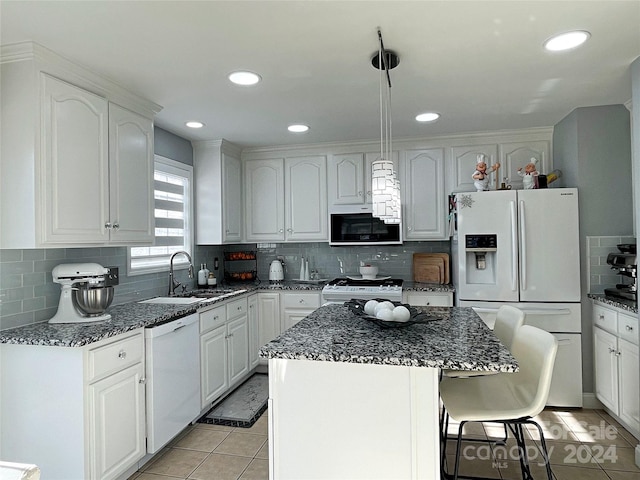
(29, 295)
(600, 274)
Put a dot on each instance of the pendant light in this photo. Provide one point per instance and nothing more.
(385, 187)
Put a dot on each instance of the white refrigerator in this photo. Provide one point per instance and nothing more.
(522, 248)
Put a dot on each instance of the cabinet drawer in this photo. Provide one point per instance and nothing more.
(213, 318)
(605, 319)
(628, 328)
(115, 356)
(429, 299)
(301, 300)
(237, 308)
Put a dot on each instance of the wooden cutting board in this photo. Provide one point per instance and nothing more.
(431, 267)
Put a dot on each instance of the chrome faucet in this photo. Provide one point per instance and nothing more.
(172, 283)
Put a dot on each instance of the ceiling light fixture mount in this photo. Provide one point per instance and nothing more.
(244, 78)
(566, 41)
(298, 128)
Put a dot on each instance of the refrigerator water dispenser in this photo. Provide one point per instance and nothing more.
(481, 258)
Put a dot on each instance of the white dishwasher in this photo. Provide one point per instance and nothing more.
(173, 378)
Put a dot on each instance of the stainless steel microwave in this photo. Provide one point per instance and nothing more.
(356, 225)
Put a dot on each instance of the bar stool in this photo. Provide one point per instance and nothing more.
(508, 398)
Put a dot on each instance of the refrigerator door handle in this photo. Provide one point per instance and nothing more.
(523, 247)
(514, 247)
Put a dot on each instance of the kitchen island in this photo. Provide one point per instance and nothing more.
(351, 399)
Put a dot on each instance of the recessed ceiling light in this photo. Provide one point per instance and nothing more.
(194, 124)
(566, 41)
(298, 128)
(427, 117)
(244, 78)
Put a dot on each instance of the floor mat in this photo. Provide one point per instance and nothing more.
(244, 406)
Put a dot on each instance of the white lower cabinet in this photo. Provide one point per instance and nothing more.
(74, 412)
(254, 332)
(278, 312)
(118, 435)
(616, 358)
(296, 306)
(428, 299)
(224, 349)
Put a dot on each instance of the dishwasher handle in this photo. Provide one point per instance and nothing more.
(170, 326)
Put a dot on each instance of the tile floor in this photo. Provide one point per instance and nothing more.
(583, 445)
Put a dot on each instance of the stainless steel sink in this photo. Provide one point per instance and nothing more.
(204, 296)
(172, 300)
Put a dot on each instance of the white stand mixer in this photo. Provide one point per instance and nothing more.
(74, 276)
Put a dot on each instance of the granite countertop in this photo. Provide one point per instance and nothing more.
(427, 287)
(621, 303)
(130, 316)
(458, 340)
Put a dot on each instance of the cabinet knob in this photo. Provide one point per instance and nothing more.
(281, 230)
(301, 300)
(360, 193)
(629, 328)
(290, 230)
(409, 228)
(108, 225)
(122, 354)
(143, 380)
(601, 316)
(612, 350)
(116, 226)
(618, 353)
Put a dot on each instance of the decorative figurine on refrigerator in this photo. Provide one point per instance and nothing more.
(529, 174)
(481, 176)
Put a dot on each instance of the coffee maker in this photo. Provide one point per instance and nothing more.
(625, 263)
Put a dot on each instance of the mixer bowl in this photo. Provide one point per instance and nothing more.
(92, 300)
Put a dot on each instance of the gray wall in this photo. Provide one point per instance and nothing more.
(172, 146)
(592, 147)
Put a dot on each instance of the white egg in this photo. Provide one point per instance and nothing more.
(401, 314)
(370, 307)
(383, 306)
(385, 314)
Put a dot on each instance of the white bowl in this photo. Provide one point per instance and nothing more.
(369, 272)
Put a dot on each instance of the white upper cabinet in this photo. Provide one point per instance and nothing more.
(347, 180)
(76, 158)
(511, 155)
(306, 198)
(422, 190)
(131, 217)
(349, 177)
(75, 164)
(464, 160)
(264, 200)
(218, 193)
(518, 154)
(286, 199)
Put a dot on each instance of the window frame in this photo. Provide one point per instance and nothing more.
(184, 170)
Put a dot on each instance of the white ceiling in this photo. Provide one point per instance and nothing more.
(479, 63)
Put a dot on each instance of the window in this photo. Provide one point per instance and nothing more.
(173, 215)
